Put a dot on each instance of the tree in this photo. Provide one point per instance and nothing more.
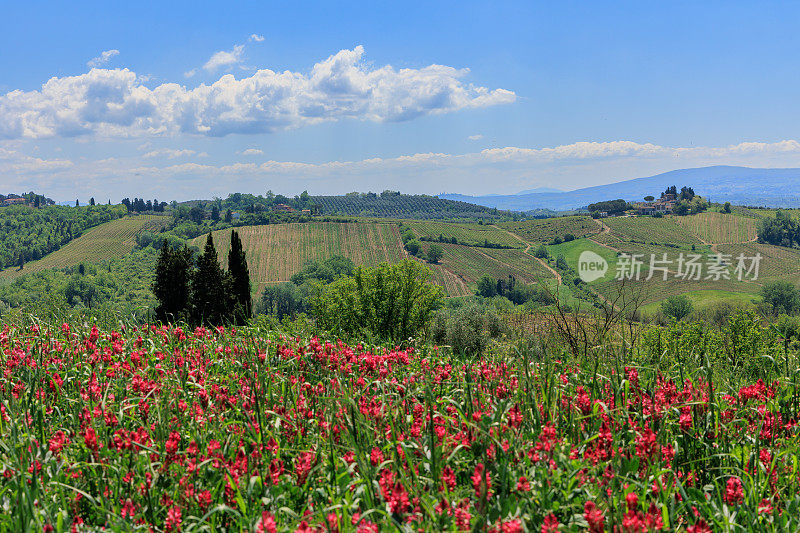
(211, 297)
(77, 203)
(196, 214)
(392, 302)
(171, 285)
(649, 198)
(677, 307)
(91, 201)
(240, 278)
(781, 296)
(487, 286)
(228, 216)
(726, 208)
(282, 300)
(541, 252)
(215, 214)
(413, 247)
(326, 271)
(434, 253)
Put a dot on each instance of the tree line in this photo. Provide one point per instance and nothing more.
(200, 291)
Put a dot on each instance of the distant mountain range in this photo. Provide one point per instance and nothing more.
(770, 187)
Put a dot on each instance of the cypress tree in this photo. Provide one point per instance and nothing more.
(171, 284)
(211, 301)
(240, 279)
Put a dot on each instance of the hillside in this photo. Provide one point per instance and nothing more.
(705, 234)
(772, 187)
(277, 251)
(394, 205)
(107, 241)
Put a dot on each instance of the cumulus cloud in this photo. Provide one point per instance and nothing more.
(224, 59)
(252, 151)
(117, 103)
(102, 59)
(256, 38)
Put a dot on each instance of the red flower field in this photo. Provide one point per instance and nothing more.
(170, 430)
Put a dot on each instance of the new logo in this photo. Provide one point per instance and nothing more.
(591, 266)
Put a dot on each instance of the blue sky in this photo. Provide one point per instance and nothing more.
(423, 97)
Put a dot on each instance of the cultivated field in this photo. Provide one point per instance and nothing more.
(719, 228)
(276, 251)
(106, 241)
(650, 230)
(546, 229)
(470, 263)
(470, 234)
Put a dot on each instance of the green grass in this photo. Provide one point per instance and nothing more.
(573, 249)
(707, 298)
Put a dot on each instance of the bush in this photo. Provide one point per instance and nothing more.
(392, 302)
(467, 330)
(434, 253)
(569, 237)
(677, 307)
(541, 252)
(781, 297)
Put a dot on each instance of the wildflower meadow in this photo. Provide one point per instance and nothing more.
(160, 428)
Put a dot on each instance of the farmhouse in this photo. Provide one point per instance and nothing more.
(664, 205)
(283, 208)
(14, 201)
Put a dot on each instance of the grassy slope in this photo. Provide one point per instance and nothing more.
(106, 241)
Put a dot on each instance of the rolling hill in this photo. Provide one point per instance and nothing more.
(771, 187)
(107, 241)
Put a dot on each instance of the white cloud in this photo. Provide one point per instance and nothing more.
(503, 170)
(170, 153)
(252, 151)
(256, 38)
(223, 59)
(116, 103)
(102, 59)
(476, 137)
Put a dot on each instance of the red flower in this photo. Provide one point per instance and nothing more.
(173, 521)
(550, 524)
(699, 527)
(734, 493)
(481, 481)
(523, 485)
(376, 457)
(594, 517)
(267, 523)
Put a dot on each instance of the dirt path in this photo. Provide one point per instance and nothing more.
(542, 262)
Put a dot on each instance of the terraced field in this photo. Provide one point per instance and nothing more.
(276, 251)
(546, 229)
(719, 228)
(471, 234)
(106, 241)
